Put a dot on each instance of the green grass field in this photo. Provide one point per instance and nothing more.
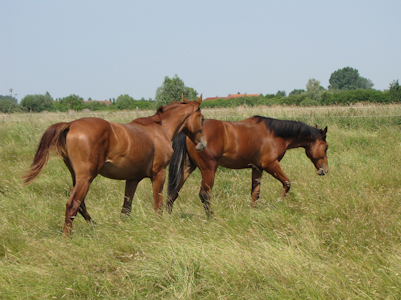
(334, 237)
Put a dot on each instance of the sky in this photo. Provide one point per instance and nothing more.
(101, 49)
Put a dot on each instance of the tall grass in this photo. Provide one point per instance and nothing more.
(333, 237)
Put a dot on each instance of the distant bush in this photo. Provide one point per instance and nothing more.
(309, 102)
(249, 101)
(37, 103)
(8, 104)
(127, 102)
(95, 105)
(354, 96)
(304, 99)
(395, 91)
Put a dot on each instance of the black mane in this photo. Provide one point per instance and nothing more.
(288, 129)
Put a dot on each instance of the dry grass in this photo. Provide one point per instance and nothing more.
(334, 237)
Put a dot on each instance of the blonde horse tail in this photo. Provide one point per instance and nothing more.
(51, 141)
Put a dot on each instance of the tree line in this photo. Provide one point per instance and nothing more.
(346, 87)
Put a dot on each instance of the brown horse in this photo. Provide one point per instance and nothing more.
(131, 152)
(257, 142)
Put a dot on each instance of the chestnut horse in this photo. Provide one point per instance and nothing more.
(257, 142)
(131, 152)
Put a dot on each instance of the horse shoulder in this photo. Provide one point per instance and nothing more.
(214, 131)
(273, 148)
(163, 151)
(159, 137)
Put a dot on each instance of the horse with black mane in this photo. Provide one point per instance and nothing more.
(133, 151)
(257, 142)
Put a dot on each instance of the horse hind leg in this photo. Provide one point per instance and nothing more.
(82, 208)
(75, 203)
(206, 190)
(256, 180)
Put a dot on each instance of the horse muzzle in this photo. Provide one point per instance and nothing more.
(322, 172)
(201, 145)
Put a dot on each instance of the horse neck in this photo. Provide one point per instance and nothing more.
(173, 121)
(296, 142)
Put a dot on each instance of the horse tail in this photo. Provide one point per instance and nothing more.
(177, 162)
(51, 141)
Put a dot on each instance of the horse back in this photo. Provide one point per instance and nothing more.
(110, 149)
(234, 145)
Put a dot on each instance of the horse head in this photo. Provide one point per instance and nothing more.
(193, 127)
(317, 152)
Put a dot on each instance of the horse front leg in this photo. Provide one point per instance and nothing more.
(276, 171)
(130, 188)
(158, 184)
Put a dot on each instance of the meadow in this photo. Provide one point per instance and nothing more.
(333, 237)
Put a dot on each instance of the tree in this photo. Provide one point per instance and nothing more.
(313, 89)
(344, 79)
(395, 91)
(8, 104)
(280, 94)
(73, 102)
(172, 89)
(364, 83)
(38, 102)
(348, 79)
(297, 92)
(95, 105)
(124, 102)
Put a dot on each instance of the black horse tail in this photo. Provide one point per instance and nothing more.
(176, 167)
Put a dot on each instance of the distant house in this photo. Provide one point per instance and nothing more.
(231, 96)
(107, 102)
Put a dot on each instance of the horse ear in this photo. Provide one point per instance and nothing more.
(200, 98)
(183, 98)
(325, 131)
(315, 126)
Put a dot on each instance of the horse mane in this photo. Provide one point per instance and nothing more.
(157, 117)
(288, 128)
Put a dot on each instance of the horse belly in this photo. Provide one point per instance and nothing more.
(124, 171)
(237, 163)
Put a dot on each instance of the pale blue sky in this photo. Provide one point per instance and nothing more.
(102, 49)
